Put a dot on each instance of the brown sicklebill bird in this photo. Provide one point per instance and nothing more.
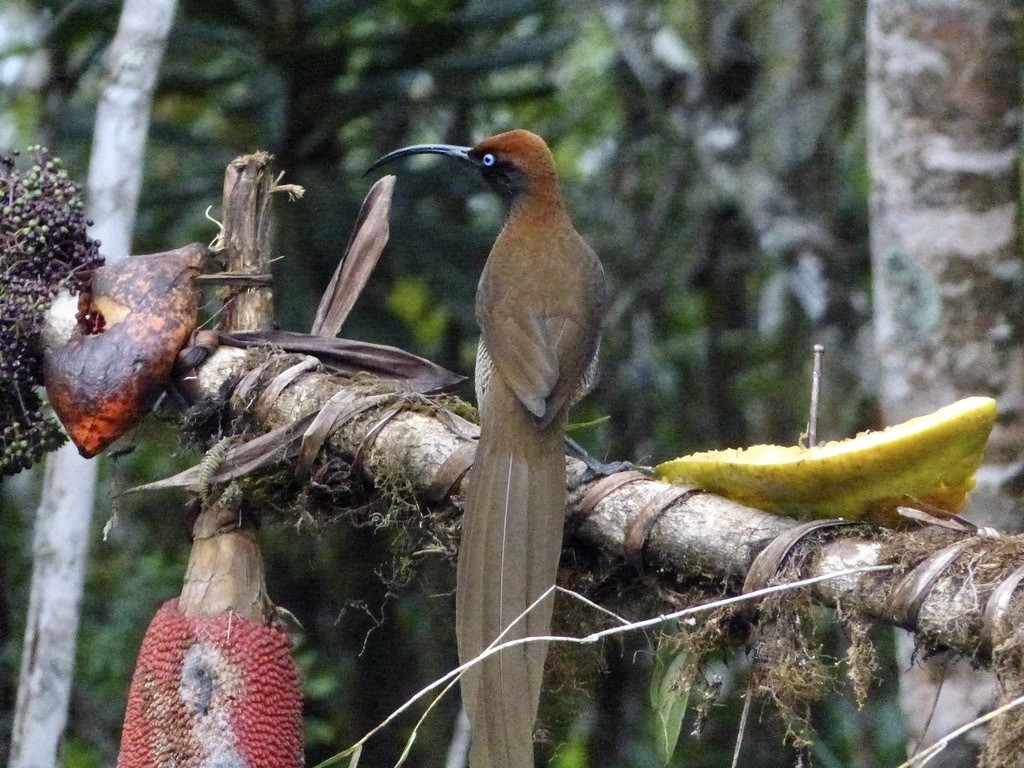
(540, 303)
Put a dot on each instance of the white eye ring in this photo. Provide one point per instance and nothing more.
(487, 160)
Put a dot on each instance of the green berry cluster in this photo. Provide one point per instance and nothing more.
(44, 248)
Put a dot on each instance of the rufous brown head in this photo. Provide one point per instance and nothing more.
(514, 163)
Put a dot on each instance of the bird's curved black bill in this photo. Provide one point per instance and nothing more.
(450, 150)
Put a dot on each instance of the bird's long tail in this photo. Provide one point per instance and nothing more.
(508, 557)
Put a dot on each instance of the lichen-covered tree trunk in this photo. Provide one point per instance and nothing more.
(943, 141)
(943, 113)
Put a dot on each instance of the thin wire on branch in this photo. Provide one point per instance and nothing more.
(448, 680)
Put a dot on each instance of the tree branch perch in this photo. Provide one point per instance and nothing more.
(696, 534)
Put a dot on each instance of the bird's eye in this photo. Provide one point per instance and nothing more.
(487, 160)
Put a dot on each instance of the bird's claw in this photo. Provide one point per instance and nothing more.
(596, 468)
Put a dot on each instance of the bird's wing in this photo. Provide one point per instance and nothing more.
(537, 355)
(525, 358)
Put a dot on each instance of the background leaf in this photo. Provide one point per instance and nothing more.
(668, 697)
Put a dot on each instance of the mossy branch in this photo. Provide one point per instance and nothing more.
(696, 537)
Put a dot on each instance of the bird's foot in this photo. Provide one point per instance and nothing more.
(597, 468)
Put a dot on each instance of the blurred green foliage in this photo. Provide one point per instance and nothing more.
(696, 141)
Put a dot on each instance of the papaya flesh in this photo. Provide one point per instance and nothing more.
(930, 460)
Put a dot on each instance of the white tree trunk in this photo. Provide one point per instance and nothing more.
(48, 658)
(62, 522)
(943, 147)
(122, 122)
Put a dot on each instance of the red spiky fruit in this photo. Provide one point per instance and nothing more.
(218, 690)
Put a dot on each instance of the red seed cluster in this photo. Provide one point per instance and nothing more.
(216, 690)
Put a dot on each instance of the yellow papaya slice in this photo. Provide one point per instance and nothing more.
(930, 459)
